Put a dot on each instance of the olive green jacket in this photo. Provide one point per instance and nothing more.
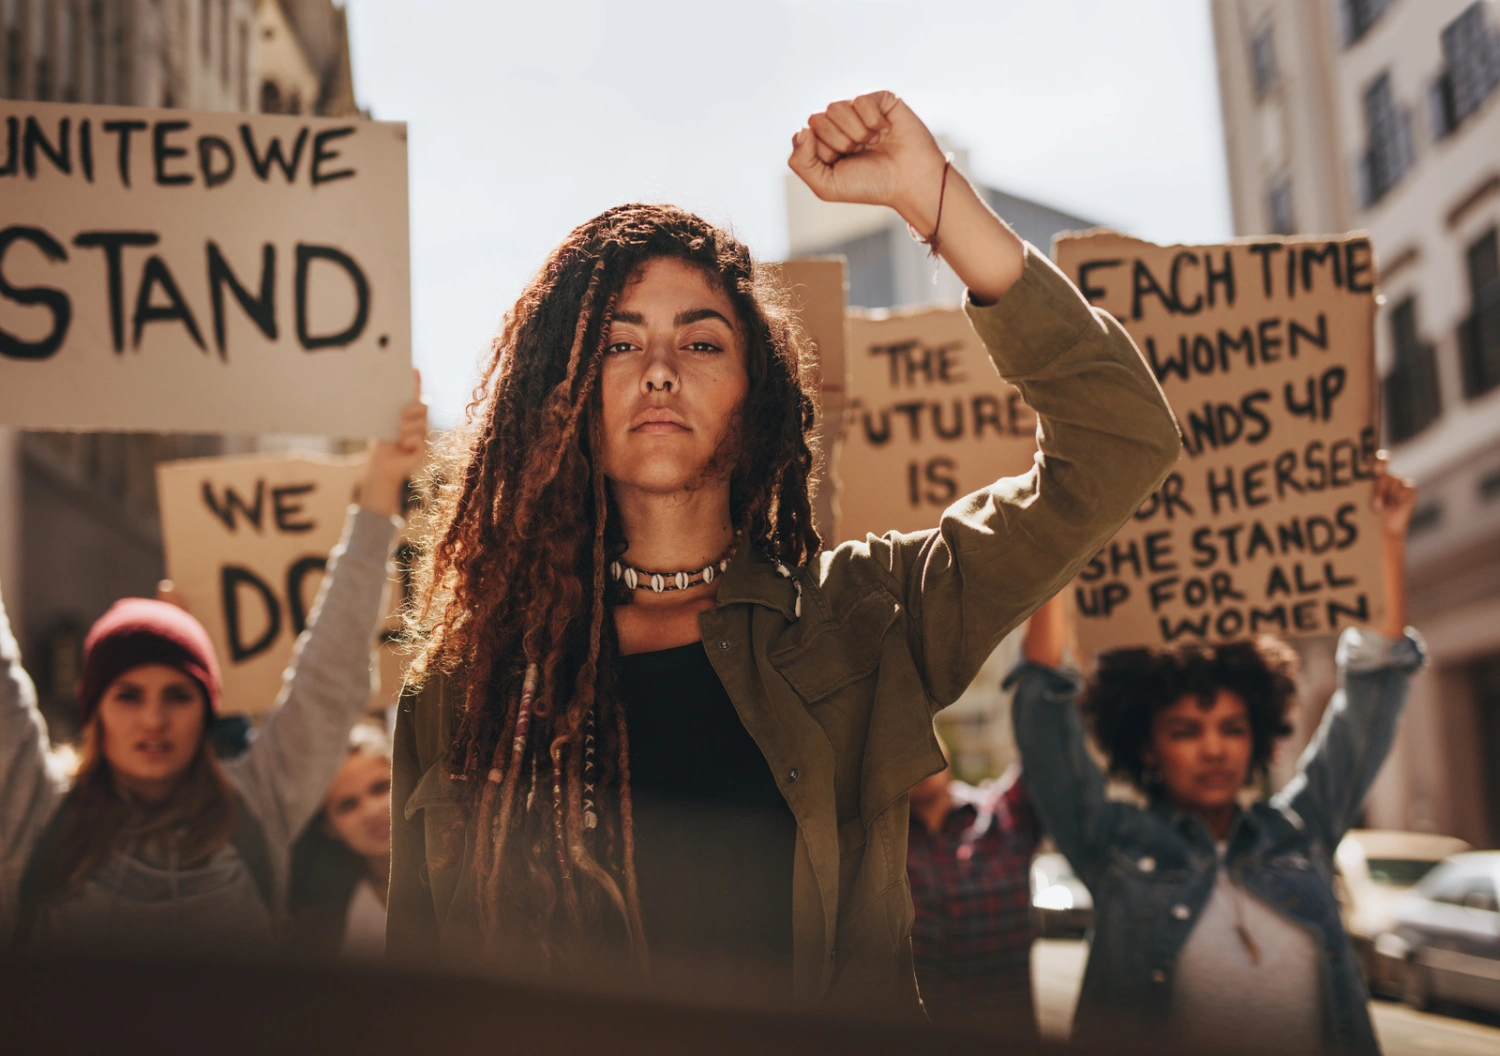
(841, 700)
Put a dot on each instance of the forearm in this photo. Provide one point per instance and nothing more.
(1105, 435)
(1393, 560)
(328, 683)
(28, 788)
(1047, 633)
(1065, 786)
(381, 494)
(986, 255)
(1357, 730)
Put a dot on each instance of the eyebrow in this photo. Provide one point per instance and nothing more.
(687, 318)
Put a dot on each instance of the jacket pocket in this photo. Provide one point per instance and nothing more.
(838, 652)
(433, 790)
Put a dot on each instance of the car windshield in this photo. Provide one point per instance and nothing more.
(1398, 872)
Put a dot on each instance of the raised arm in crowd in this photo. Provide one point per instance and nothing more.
(1216, 924)
(153, 845)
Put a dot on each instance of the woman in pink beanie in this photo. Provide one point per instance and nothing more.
(154, 846)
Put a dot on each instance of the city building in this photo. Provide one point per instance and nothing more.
(1384, 115)
(304, 58)
(887, 268)
(78, 514)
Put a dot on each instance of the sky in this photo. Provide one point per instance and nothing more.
(525, 119)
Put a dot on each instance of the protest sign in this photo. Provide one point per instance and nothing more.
(928, 420)
(204, 272)
(816, 287)
(247, 541)
(1265, 350)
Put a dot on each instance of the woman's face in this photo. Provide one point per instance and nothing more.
(1203, 753)
(674, 376)
(152, 724)
(358, 805)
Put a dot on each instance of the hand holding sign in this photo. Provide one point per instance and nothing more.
(392, 463)
(248, 537)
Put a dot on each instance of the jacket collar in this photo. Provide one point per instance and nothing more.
(1191, 825)
(752, 579)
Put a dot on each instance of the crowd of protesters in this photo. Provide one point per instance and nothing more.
(655, 730)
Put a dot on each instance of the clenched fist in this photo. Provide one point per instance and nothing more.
(873, 150)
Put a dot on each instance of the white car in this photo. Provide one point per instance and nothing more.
(1376, 867)
(1447, 934)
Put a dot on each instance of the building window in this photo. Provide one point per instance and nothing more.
(42, 53)
(1388, 134)
(98, 52)
(1411, 388)
(242, 66)
(10, 40)
(1479, 332)
(224, 27)
(1263, 61)
(206, 30)
(1359, 16)
(1283, 219)
(270, 98)
(1471, 59)
(67, 56)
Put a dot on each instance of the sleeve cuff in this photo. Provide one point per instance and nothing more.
(1053, 681)
(1040, 316)
(1362, 650)
(368, 534)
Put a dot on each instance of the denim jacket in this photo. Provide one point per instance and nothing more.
(1151, 870)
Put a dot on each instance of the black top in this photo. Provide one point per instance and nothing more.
(714, 838)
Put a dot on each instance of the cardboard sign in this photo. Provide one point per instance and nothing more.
(817, 288)
(247, 541)
(202, 272)
(1265, 351)
(928, 420)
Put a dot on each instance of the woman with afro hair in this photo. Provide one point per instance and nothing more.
(1216, 923)
(656, 734)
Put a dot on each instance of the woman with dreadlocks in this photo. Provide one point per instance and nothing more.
(660, 727)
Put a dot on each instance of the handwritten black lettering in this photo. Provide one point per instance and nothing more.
(113, 244)
(53, 300)
(306, 255)
(321, 154)
(285, 507)
(261, 309)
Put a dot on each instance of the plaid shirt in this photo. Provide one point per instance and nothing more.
(971, 887)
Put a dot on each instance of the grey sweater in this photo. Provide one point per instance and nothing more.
(146, 902)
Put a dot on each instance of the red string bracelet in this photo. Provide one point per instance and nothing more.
(931, 242)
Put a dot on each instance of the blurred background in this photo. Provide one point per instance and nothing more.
(1173, 120)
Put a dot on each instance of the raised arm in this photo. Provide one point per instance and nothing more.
(1066, 786)
(30, 787)
(1105, 432)
(873, 150)
(1375, 667)
(287, 770)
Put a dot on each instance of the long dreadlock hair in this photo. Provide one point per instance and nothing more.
(512, 592)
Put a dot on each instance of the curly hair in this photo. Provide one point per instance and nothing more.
(1130, 686)
(512, 594)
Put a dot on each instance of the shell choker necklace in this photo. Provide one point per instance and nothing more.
(640, 579)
